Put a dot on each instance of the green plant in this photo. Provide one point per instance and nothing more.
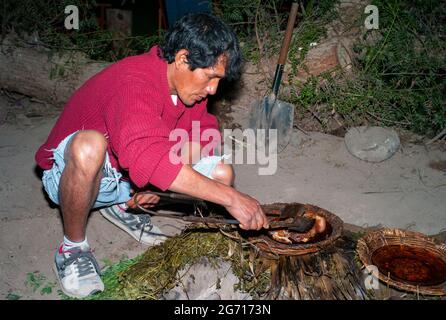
(45, 20)
(47, 288)
(311, 28)
(34, 280)
(406, 66)
(13, 296)
(399, 77)
(257, 24)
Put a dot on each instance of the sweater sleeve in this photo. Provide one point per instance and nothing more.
(139, 138)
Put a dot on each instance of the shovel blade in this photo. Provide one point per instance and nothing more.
(258, 114)
(271, 113)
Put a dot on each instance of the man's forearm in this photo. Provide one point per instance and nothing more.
(195, 184)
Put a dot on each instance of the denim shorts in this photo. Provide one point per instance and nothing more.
(113, 189)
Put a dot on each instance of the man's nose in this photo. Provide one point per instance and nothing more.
(211, 90)
(212, 87)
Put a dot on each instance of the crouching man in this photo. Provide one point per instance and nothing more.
(114, 132)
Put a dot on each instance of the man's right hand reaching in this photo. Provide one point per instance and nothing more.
(248, 211)
(244, 208)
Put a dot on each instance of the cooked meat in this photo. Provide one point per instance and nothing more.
(289, 237)
(282, 236)
(320, 223)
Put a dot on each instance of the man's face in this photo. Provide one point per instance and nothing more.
(193, 86)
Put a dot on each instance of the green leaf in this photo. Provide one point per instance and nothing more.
(13, 296)
(46, 290)
(34, 280)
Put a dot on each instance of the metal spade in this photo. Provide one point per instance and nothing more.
(270, 112)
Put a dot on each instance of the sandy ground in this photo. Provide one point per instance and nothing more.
(403, 192)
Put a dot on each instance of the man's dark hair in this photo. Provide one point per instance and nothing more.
(206, 37)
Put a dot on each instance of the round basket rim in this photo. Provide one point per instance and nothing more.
(270, 246)
(367, 245)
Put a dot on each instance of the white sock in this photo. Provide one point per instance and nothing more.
(67, 244)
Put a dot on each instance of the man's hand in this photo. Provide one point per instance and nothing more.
(248, 211)
(144, 199)
(245, 209)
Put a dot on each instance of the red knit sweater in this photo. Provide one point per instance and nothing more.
(130, 103)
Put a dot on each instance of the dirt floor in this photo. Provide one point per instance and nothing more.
(407, 191)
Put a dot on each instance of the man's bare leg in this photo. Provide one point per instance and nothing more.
(79, 183)
(224, 173)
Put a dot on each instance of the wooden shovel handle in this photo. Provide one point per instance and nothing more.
(288, 33)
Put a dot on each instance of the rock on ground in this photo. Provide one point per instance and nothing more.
(374, 144)
(203, 281)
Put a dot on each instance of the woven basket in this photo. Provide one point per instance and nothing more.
(375, 240)
(272, 248)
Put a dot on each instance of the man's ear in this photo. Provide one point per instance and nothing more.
(181, 58)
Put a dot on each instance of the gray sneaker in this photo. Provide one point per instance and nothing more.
(138, 226)
(78, 272)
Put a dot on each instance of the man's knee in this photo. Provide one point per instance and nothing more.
(224, 173)
(87, 149)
